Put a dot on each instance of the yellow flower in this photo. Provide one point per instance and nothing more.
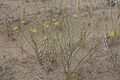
(75, 15)
(16, 29)
(45, 25)
(45, 37)
(23, 22)
(111, 34)
(56, 23)
(33, 30)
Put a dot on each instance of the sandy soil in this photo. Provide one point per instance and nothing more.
(15, 65)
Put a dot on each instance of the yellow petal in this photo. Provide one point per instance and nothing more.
(16, 29)
(75, 15)
(33, 30)
(56, 23)
(23, 22)
(111, 34)
(45, 25)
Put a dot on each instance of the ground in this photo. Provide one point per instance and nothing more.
(15, 64)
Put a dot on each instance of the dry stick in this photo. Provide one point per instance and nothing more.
(110, 11)
(42, 53)
(77, 5)
(63, 57)
(116, 24)
(27, 40)
(30, 45)
(82, 60)
(39, 57)
(89, 17)
(28, 53)
(75, 50)
(105, 37)
(106, 45)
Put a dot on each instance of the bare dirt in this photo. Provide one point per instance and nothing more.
(15, 65)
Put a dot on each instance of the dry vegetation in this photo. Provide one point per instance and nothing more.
(59, 39)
